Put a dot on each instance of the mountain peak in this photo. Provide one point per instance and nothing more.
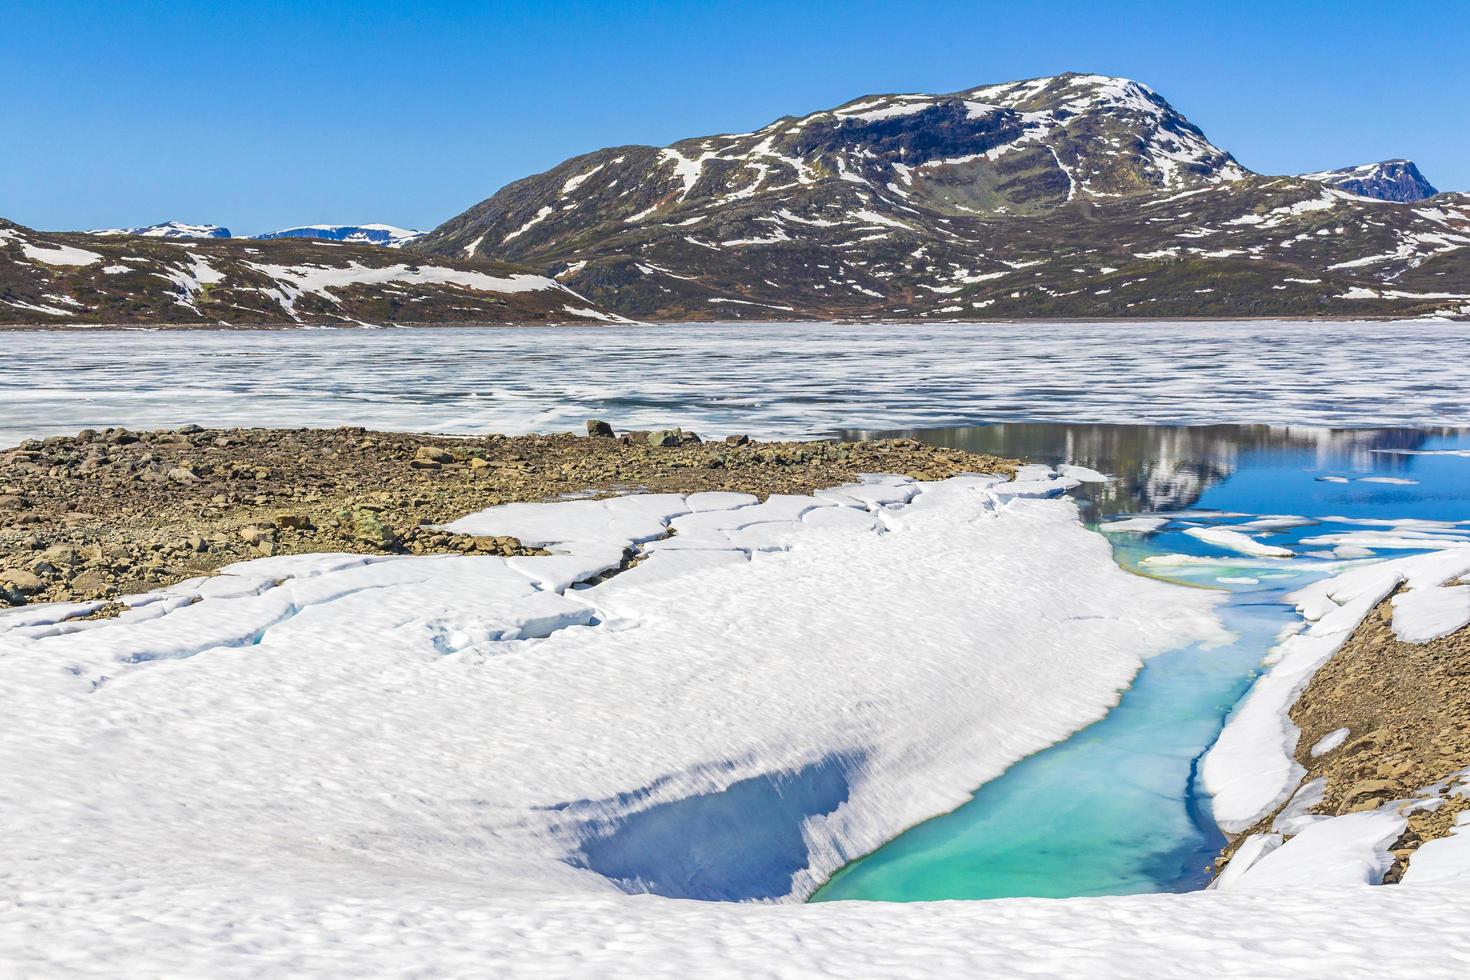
(1014, 148)
(1387, 180)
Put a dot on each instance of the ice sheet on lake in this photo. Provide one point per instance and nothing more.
(772, 380)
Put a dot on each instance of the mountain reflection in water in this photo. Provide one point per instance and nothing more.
(1169, 467)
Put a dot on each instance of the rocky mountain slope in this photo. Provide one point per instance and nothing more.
(81, 279)
(1391, 180)
(1070, 196)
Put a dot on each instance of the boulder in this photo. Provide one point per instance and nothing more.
(666, 437)
(368, 528)
(740, 440)
(600, 429)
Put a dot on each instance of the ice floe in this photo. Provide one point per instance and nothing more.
(1244, 544)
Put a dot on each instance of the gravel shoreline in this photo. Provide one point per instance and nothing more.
(108, 513)
(1406, 711)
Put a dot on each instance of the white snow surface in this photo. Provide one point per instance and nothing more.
(1348, 850)
(1443, 861)
(340, 764)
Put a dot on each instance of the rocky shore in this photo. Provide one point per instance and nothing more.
(106, 513)
(1387, 719)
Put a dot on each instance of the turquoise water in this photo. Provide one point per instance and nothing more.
(1116, 809)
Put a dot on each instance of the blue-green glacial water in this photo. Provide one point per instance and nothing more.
(1117, 808)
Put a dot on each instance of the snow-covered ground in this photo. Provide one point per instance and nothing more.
(768, 381)
(453, 766)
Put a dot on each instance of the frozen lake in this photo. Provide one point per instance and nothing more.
(767, 380)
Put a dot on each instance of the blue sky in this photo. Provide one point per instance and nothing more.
(263, 115)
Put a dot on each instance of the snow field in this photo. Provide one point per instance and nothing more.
(247, 772)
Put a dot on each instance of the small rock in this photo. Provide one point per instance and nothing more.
(298, 521)
(740, 440)
(1368, 790)
(61, 554)
(433, 454)
(182, 474)
(19, 580)
(600, 429)
(425, 464)
(90, 581)
(254, 534)
(189, 429)
(370, 530)
(478, 463)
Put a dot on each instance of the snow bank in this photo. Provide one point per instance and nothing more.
(1348, 850)
(1443, 861)
(301, 744)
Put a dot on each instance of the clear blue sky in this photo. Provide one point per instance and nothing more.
(262, 115)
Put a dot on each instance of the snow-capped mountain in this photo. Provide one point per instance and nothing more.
(1390, 180)
(388, 236)
(995, 151)
(169, 229)
(1068, 196)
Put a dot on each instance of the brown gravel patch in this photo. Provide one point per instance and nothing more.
(1407, 710)
(102, 514)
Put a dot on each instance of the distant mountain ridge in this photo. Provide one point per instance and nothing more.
(388, 236)
(1068, 196)
(169, 229)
